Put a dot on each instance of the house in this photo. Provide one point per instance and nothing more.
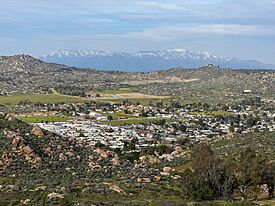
(247, 91)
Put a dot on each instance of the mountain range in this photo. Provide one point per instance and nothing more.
(146, 61)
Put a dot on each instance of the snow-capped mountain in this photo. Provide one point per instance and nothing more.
(147, 60)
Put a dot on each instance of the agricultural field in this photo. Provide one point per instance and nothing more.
(34, 98)
(132, 96)
(39, 119)
(119, 115)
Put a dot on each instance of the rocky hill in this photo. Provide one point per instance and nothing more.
(41, 168)
(146, 61)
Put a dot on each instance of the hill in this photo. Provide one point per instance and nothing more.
(25, 74)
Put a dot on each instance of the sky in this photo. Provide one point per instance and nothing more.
(232, 28)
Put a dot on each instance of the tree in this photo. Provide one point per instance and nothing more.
(182, 128)
(206, 181)
(247, 172)
(110, 118)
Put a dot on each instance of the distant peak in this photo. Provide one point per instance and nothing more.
(76, 53)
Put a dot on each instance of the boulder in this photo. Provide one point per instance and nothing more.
(167, 157)
(41, 188)
(94, 167)
(37, 131)
(167, 169)
(143, 158)
(9, 134)
(164, 174)
(16, 141)
(62, 157)
(27, 150)
(55, 196)
(115, 161)
(146, 180)
(48, 150)
(153, 160)
(10, 117)
(117, 189)
(176, 177)
(143, 180)
(157, 178)
(101, 152)
(26, 201)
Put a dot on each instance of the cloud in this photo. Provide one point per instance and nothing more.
(162, 6)
(163, 35)
(167, 33)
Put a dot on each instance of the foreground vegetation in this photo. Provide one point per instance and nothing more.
(35, 167)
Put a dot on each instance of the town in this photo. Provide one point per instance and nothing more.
(114, 124)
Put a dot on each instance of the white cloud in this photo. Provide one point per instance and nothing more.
(166, 33)
(162, 6)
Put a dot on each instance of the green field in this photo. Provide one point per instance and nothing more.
(34, 98)
(39, 119)
(119, 115)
